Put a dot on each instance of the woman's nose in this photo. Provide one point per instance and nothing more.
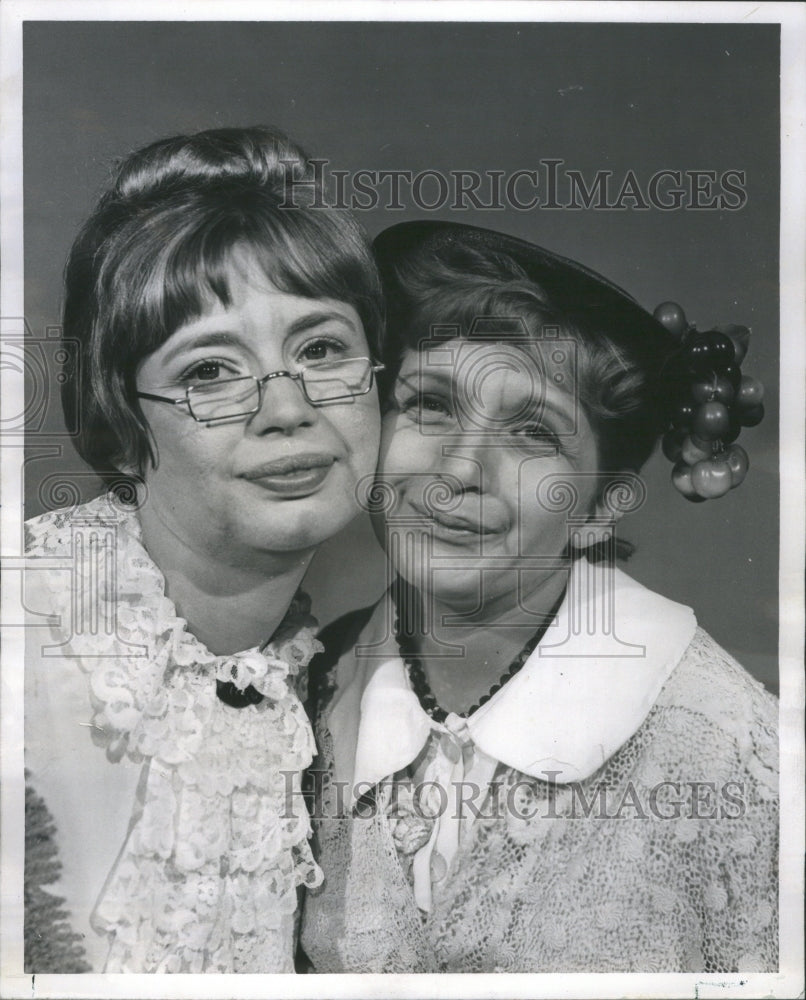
(283, 408)
(467, 462)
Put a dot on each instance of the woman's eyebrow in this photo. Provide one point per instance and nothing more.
(211, 338)
(566, 417)
(532, 408)
(314, 319)
(423, 373)
(229, 338)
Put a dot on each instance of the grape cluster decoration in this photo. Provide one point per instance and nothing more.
(713, 402)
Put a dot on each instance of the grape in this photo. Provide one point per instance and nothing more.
(733, 374)
(724, 391)
(683, 416)
(738, 463)
(751, 393)
(709, 351)
(671, 315)
(711, 420)
(753, 417)
(694, 450)
(733, 431)
(672, 444)
(681, 477)
(711, 478)
(697, 353)
(721, 389)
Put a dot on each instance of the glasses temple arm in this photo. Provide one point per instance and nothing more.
(162, 399)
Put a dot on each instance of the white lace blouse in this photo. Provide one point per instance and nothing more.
(613, 808)
(180, 832)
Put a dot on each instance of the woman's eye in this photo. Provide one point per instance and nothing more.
(537, 433)
(322, 350)
(426, 408)
(206, 371)
(210, 370)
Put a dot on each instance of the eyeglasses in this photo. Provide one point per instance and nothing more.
(229, 398)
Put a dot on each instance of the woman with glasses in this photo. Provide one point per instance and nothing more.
(224, 334)
(528, 761)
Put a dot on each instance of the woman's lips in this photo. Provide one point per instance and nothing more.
(292, 475)
(454, 525)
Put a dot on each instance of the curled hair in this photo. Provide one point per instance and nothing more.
(157, 250)
(618, 380)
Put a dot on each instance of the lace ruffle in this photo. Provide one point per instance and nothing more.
(208, 876)
(664, 860)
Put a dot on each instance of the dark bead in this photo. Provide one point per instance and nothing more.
(697, 353)
(708, 352)
(672, 444)
(723, 351)
(733, 431)
(421, 688)
(733, 374)
(711, 420)
(752, 418)
(751, 393)
(683, 415)
(235, 697)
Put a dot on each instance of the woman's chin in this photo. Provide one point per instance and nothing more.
(301, 526)
(461, 595)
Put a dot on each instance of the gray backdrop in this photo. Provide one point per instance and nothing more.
(476, 97)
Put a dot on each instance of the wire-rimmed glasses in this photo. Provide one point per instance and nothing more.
(230, 398)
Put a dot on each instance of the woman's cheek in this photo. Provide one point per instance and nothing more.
(365, 438)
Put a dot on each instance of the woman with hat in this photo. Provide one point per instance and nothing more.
(528, 761)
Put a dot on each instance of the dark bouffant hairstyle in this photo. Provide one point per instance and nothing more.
(158, 246)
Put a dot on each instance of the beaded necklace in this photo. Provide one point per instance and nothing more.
(402, 594)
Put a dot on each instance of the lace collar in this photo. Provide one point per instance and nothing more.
(207, 878)
(143, 632)
(580, 696)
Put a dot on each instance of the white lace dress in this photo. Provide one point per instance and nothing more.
(603, 812)
(179, 835)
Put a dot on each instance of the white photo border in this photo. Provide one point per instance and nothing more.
(789, 981)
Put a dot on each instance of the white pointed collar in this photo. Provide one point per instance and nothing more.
(579, 697)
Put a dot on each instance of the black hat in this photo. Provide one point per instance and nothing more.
(411, 253)
(589, 301)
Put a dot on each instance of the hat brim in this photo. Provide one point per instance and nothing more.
(589, 300)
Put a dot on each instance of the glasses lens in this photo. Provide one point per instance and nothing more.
(338, 379)
(233, 397)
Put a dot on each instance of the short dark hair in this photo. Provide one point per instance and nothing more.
(448, 275)
(159, 243)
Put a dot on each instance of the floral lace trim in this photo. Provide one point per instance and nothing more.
(207, 879)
